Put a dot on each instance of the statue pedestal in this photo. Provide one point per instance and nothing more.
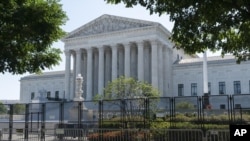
(78, 99)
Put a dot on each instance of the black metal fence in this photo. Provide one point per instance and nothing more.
(192, 112)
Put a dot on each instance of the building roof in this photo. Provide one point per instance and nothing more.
(227, 58)
(109, 23)
(44, 75)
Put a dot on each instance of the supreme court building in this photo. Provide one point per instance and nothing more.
(112, 46)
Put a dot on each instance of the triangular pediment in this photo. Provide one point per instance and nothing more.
(108, 23)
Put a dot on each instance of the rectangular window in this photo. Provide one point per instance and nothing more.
(193, 89)
(237, 87)
(32, 96)
(222, 88)
(209, 88)
(222, 106)
(57, 94)
(237, 106)
(180, 90)
(48, 94)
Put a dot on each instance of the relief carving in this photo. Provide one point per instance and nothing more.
(108, 25)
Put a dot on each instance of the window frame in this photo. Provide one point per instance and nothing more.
(180, 89)
(193, 89)
(57, 95)
(237, 87)
(222, 87)
(48, 94)
(32, 96)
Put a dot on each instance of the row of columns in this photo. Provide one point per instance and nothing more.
(156, 71)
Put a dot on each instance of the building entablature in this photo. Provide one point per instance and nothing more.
(212, 62)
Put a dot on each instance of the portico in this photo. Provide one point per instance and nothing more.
(112, 46)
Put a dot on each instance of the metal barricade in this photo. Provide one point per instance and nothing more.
(218, 135)
(69, 134)
(177, 135)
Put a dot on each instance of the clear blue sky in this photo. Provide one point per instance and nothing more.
(79, 13)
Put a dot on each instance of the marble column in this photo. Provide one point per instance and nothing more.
(165, 72)
(89, 73)
(84, 72)
(78, 61)
(154, 64)
(67, 73)
(84, 68)
(160, 69)
(127, 60)
(114, 62)
(107, 66)
(74, 76)
(140, 63)
(101, 70)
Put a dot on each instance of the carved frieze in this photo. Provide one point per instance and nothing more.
(108, 24)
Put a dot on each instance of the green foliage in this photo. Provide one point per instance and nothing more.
(130, 97)
(128, 88)
(184, 105)
(18, 109)
(28, 29)
(199, 25)
(3, 109)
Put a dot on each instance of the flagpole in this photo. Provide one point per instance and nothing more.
(205, 76)
(206, 103)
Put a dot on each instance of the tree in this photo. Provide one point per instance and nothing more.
(3, 109)
(130, 97)
(200, 25)
(18, 109)
(27, 30)
(128, 88)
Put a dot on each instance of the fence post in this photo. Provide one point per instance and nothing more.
(230, 108)
(10, 121)
(122, 108)
(200, 114)
(26, 130)
(100, 113)
(146, 111)
(80, 114)
(100, 119)
(61, 114)
(172, 111)
(43, 122)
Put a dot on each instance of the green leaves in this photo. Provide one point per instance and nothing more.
(28, 28)
(200, 25)
(128, 88)
(3, 109)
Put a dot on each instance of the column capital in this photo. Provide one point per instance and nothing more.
(89, 50)
(140, 44)
(67, 52)
(78, 50)
(114, 46)
(126, 44)
(154, 41)
(101, 48)
(159, 47)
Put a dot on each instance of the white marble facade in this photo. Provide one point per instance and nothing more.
(111, 46)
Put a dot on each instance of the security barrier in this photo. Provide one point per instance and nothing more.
(218, 135)
(120, 135)
(131, 118)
